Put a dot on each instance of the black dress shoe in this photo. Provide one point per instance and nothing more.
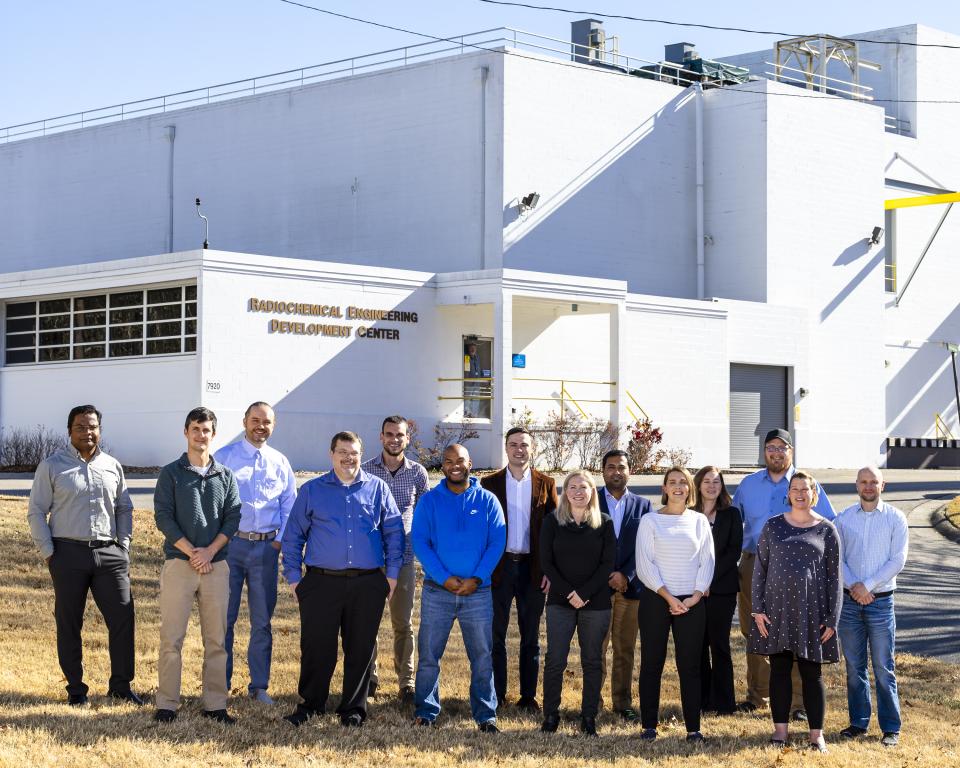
(648, 734)
(78, 700)
(126, 696)
(695, 737)
(351, 720)
(528, 704)
(747, 706)
(407, 695)
(489, 727)
(853, 732)
(299, 716)
(588, 726)
(164, 715)
(220, 715)
(550, 723)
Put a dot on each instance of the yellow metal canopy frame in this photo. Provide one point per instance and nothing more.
(895, 204)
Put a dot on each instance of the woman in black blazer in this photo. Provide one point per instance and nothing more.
(716, 666)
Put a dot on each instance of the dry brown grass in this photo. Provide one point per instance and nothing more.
(37, 728)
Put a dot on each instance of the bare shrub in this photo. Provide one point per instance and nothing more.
(444, 435)
(678, 457)
(557, 438)
(592, 439)
(24, 448)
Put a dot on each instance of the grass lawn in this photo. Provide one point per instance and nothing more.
(38, 729)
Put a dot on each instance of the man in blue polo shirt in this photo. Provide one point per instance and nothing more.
(353, 532)
(759, 497)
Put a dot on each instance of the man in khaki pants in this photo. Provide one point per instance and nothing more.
(197, 509)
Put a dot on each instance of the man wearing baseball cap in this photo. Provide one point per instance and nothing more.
(759, 497)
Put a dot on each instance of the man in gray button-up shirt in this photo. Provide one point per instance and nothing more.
(81, 519)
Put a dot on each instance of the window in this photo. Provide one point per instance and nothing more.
(477, 377)
(126, 323)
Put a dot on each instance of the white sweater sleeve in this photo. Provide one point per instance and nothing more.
(647, 569)
(707, 555)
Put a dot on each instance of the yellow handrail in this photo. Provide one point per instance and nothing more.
(646, 416)
(565, 394)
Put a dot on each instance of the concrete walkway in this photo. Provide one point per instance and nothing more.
(928, 597)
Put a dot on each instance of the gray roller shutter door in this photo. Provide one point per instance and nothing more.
(758, 403)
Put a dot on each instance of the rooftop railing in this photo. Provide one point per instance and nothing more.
(499, 38)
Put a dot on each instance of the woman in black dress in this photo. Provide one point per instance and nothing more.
(577, 552)
(797, 594)
(716, 664)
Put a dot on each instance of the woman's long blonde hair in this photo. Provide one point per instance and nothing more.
(565, 514)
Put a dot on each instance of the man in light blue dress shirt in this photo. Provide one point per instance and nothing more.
(874, 541)
(268, 489)
(759, 497)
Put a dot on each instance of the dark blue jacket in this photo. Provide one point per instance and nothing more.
(634, 507)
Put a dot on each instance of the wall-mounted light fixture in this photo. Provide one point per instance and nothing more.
(875, 236)
(804, 392)
(529, 202)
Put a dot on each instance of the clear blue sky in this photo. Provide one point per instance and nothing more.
(62, 56)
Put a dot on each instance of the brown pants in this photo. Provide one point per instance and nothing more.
(758, 667)
(401, 618)
(623, 631)
(180, 585)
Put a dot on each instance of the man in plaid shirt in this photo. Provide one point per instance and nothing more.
(408, 482)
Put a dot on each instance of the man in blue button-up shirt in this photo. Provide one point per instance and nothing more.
(267, 490)
(352, 531)
(759, 497)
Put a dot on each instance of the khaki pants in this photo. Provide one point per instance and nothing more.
(180, 584)
(401, 617)
(623, 631)
(758, 667)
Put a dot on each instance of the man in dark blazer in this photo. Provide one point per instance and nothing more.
(527, 496)
(625, 509)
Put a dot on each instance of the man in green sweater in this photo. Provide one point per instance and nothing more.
(197, 509)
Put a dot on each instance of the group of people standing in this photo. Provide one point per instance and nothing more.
(601, 562)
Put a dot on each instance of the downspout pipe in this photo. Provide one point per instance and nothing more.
(484, 74)
(701, 256)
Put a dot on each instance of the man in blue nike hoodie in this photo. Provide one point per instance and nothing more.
(458, 536)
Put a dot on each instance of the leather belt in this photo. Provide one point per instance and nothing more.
(254, 536)
(92, 543)
(517, 557)
(349, 573)
(875, 594)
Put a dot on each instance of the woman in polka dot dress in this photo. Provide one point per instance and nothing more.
(797, 594)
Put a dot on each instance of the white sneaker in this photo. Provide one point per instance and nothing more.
(258, 694)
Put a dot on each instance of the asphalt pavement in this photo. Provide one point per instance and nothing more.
(928, 594)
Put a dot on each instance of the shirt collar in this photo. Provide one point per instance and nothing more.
(878, 508)
(332, 479)
(525, 478)
(249, 448)
(790, 472)
(76, 454)
(378, 460)
(611, 499)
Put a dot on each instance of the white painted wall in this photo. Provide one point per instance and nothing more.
(371, 169)
(612, 159)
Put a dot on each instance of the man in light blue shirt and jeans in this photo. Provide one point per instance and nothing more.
(874, 541)
(759, 497)
(268, 489)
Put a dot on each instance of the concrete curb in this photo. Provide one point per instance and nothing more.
(943, 525)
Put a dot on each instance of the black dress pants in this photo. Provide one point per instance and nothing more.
(656, 623)
(716, 662)
(515, 585)
(332, 607)
(781, 688)
(77, 569)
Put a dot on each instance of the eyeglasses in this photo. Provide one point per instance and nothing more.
(777, 448)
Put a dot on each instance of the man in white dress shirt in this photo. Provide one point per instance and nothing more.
(267, 490)
(874, 541)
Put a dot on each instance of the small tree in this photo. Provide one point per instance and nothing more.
(557, 438)
(444, 435)
(642, 452)
(593, 438)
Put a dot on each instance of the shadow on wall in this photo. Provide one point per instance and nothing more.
(618, 206)
(849, 255)
(924, 384)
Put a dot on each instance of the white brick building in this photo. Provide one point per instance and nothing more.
(399, 189)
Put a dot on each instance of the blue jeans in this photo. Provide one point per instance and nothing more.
(253, 562)
(438, 609)
(876, 624)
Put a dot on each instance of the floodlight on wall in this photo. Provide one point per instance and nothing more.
(875, 236)
(803, 392)
(206, 227)
(529, 202)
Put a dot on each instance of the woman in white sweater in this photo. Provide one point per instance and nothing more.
(675, 563)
